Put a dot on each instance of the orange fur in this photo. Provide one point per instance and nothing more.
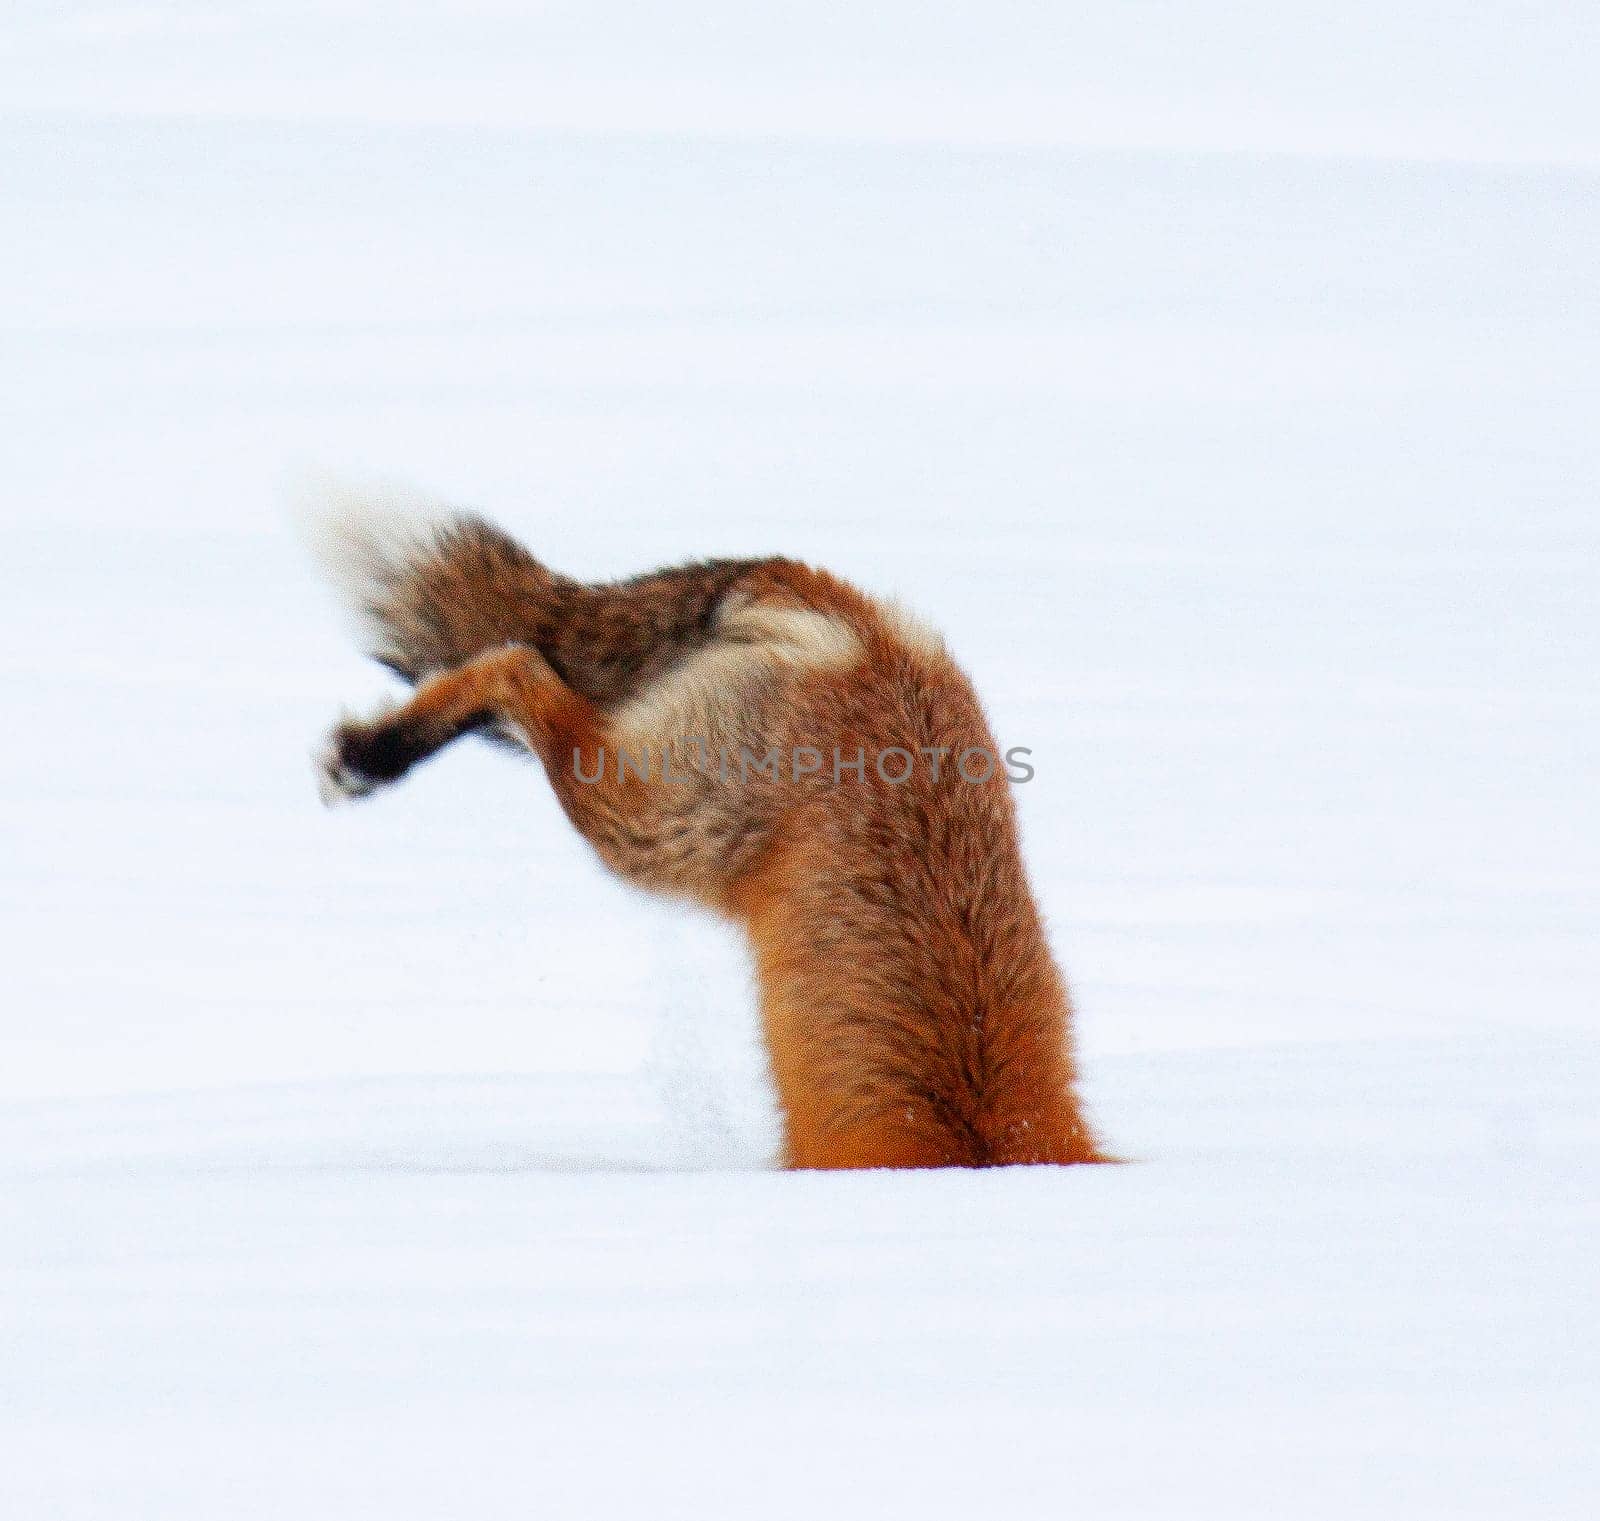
(913, 1013)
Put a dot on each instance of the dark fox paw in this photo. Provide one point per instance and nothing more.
(354, 760)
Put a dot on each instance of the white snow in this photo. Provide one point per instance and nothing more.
(1219, 380)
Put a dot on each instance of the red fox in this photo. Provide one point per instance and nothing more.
(761, 737)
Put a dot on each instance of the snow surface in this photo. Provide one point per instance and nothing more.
(1220, 379)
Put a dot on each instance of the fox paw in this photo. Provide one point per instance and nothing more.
(337, 780)
(351, 762)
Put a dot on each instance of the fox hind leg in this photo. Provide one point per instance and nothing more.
(685, 835)
(362, 755)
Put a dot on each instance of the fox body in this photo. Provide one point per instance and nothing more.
(913, 1014)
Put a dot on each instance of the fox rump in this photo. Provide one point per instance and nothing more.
(913, 1014)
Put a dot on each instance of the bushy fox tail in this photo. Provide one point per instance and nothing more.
(434, 586)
